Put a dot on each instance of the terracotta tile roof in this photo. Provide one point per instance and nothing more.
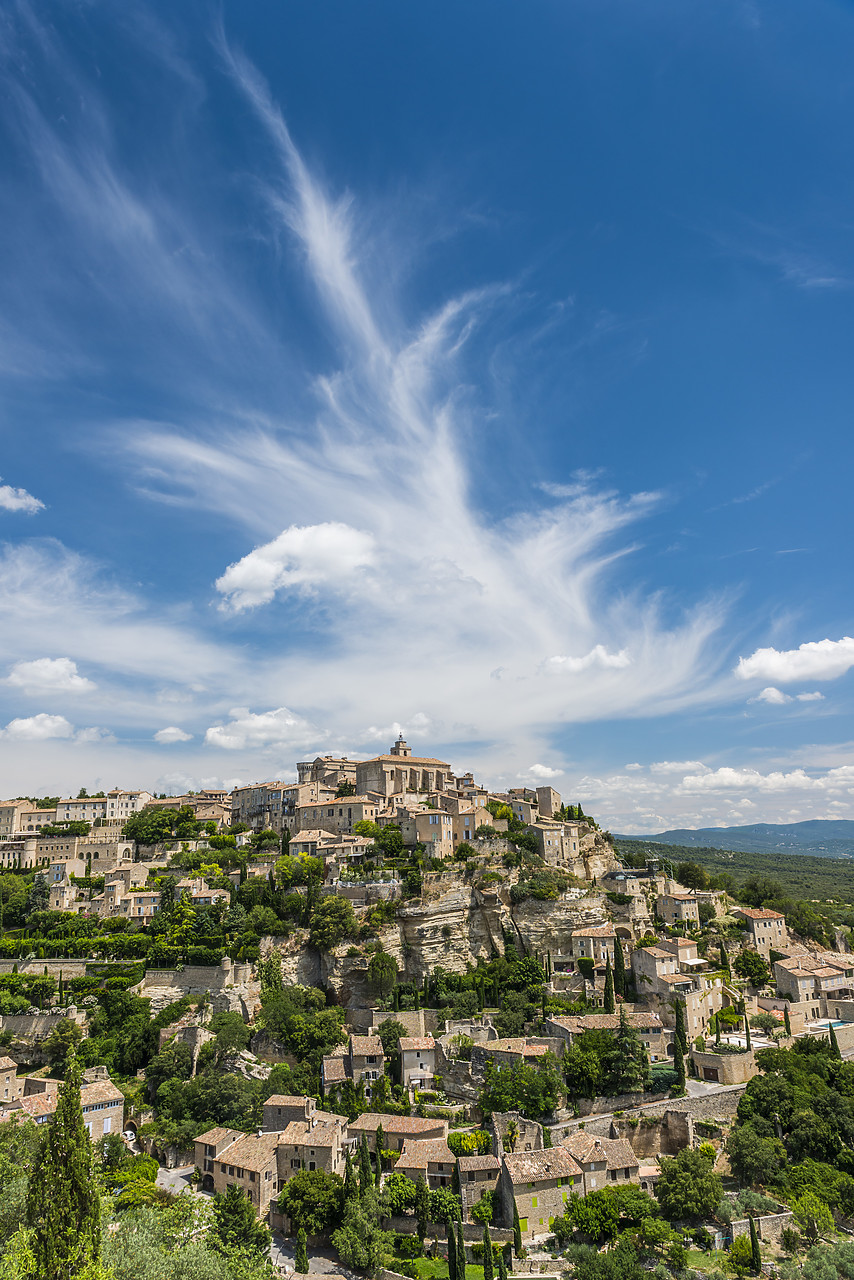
(540, 1166)
(595, 931)
(417, 1153)
(758, 913)
(587, 1149)
(412, 1125)
(365, 1046)
(8, 1064)
(214, 1137)
(334, 1070)
(472, 1163)
(515, 1044)
(251, 1151)
(416, 1042)
(286, 1100)
(100, 1091)
(607, 1022)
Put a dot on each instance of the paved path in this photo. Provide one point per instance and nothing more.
(322, 1262)
(176, 1180)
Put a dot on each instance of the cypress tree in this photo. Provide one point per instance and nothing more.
(502, 1266)
(452, 1252)
(301, 1253)
(747, 1032)
(680, 1035)
(351, 1189)
(725, 960)
(366, 1173)
(679, 1064)
(380, 1145)
(619, 968)
(461, 1251)
(609, 1003)
(517, 1231)
(422, 1203)
(786, 1023)
(63, 1205)
(717, 1029)
(755, 1255)
(834, 1043)
(487, 1254)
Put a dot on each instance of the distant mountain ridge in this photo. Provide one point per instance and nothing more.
(823, 838)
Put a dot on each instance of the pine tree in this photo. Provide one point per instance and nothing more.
(487, 1254)
(366, 1173)
(834, 1043)
(609, 1003)
(63, 1205)
(301, 1253)
(747, 1032)
(680, 1035)
(452, 1252)
(755, 1255)
(786, 1023)
(517, 1231)
(461, 1251)
(422, 1205)
(619, 969)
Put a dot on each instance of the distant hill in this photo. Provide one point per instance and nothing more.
(822, 839)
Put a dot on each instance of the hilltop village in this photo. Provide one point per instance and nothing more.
(425, 1025)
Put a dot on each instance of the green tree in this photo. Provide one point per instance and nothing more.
(351, 1186)
(631, 1068)
(361, 1241)
(834, 1043)
(619, 968)
(740, 1256)
(313, 1200)
(366, 1176)
(517, 1231)
(755, 1253)
(444, 1205)
(332, 921)
(452, 1252)
(422, 1201)
(750, 965)
(379, 1145)
(786, 1023)
(688, 1187)
(235, 1224)
(62, 1043)
(812, 1216)
(609, 1004)
(753, 1159)
(502, 1266)
(301, 1253)
(461, 1251)
(680, 1035)
(487, 1254)
(382, 972)
(63, 1205)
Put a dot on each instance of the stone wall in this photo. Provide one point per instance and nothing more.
(768, 1228)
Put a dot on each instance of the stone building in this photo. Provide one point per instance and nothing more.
(540, 1183)
(417, 1061)
(427, 1158)
(401, 772)
(767, 929)
(397, 1130)
(604, 1162)
(677, 907)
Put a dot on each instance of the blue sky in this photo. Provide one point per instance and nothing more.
(478, 370)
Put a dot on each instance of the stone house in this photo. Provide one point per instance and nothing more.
(417, 1061)
(366, 1060)
(428, 1158)
(400, 772)
(767, 929)
(540, 1183)
(648, 1025)
(675, 907)
(603, 1162)
(594, 942)
(102, 1103)
(316, 1143)
(10, 1086)
(247, 1160)
(477, 1175)
(397, 1130)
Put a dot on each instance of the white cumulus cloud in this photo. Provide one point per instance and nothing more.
(310, 556)
(543, 771)
(279, 728)
(19, 500)
(597, 657)
(774, 697)
(172, 733)
(49, 675)
(39, 728)
(815, 696)
(815, 660)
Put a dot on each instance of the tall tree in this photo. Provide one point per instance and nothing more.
(235, 1223)
(619, 968)
(755, 1255)
(461, 1251)
(366, 1174)
(834, 1043)
(502, 1266)
(747, 1039)
(680, 1034)
(301, 1253)
(380, 1144)
(786, 1023)
(609, 1003)
(422, 1203)
(452, 1252)
(63, 1205)
(517, 1231)
(351, 1190)
(487, 1254)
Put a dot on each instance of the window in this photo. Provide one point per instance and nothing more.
(533, 1202)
